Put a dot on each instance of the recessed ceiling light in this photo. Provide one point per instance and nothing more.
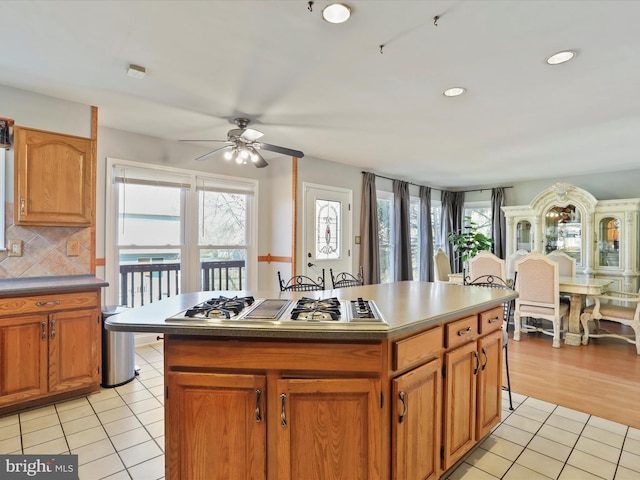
(336, 13)
(454, 92)
(561, 57)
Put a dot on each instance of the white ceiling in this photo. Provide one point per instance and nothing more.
(328, 91)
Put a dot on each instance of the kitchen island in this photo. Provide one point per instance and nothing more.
(301, 400)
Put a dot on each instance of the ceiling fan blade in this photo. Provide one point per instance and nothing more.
(257, 159)
(210, 141)
(206, 155)
(283, 150)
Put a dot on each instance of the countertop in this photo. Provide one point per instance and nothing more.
(12, 287)
(407, 307)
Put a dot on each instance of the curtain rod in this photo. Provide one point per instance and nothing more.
(434, 188)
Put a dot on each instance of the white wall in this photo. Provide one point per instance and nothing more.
(274, 205)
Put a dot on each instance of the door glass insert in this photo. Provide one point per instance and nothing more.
(563, 230)
(328, 220)
(609, 242)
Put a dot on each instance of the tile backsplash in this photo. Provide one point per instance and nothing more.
(44, 250)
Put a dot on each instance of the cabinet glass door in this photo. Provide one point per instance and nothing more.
(523, 235)
(563, 231)
(609, 242)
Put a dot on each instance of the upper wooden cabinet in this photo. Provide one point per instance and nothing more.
(55, 179)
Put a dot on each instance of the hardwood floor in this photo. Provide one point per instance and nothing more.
(602, 378)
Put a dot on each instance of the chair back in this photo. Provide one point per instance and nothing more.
(442, 266)
(301, 283)
(566, 263)
(492, 281)
(486, 263)
(346, 279)
(512, 259)
(538, 283)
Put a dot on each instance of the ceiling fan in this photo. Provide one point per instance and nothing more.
(242, 146)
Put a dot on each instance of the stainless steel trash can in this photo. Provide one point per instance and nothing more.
(118, 353)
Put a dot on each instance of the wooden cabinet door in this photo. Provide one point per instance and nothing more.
(216, 428)
(328, 428)
(489, 409)
(23, 358)
(55, 179)
(74, 349)
(461, 369)
(416, 421)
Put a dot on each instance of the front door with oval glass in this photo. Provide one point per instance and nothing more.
(327, 230)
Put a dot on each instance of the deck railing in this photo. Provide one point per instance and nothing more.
(141, 284)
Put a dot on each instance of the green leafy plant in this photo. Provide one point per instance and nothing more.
(468, 241)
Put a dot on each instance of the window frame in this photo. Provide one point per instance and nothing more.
(190, 255)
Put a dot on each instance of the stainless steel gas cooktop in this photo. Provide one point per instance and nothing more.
(305, 312)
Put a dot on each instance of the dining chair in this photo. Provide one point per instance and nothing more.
(301, 283)
(492, 281)
(442, 266)
(346, 279)
(567, 264)
(512, 259)
(611, 307)
(538, 289)
(486, 263)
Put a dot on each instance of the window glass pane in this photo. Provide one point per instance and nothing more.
(481, 216)
(222, 268)
(436, 218)
(222, 218)
(328, 220)
(149, 215)
(414, 222)
(385, 235)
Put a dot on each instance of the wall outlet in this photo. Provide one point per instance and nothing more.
(73, 247)
(14, 248)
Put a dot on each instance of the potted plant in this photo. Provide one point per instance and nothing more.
(468, 241)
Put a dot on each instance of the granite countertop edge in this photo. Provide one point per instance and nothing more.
(10, 287)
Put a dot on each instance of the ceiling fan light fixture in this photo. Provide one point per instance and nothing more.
(561, 57)
(454, 91)
(336, 13)
(228, 155)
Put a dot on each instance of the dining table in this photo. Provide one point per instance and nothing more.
(578, 288)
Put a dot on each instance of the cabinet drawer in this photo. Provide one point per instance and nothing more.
(48, 303)
(491, 320)
(417, 349)
(461, 331)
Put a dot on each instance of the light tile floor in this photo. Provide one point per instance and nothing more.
(118, 434)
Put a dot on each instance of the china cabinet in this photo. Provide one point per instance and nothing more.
(602, 235)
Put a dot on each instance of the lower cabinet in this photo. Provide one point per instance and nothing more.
(328, 427)
(405, 408)
(218, 426)
(472, 399)
(416, 420)
(49, 353)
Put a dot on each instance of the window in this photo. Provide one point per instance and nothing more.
(480, 214)
(385, 235)
(2, 180)
(223, 232)
(153, 212)
(414, 225)
(436, 220)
